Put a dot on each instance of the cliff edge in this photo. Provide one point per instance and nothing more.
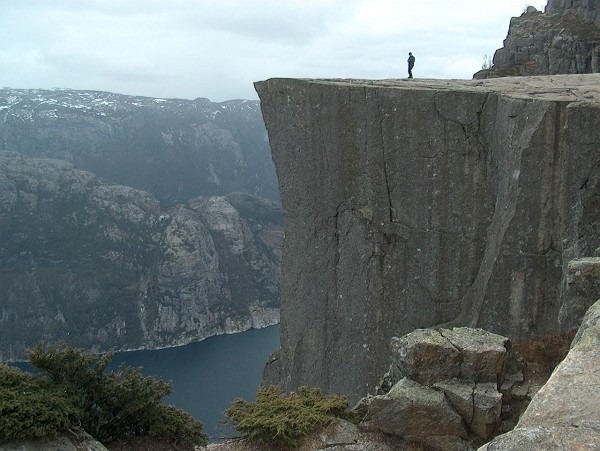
(414, 204)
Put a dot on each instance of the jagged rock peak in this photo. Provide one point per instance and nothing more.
(563, 40)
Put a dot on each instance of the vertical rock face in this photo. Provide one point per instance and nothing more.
(581, 289)
(411, 205)
(588, 10)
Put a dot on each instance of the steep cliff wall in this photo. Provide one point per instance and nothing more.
(415, 204)
(103, 267)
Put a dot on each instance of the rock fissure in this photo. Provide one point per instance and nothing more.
(472, 416)
(384, 166)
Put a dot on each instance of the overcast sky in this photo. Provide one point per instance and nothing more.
(218, 48)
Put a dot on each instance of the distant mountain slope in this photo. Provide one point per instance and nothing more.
(105, 267)
(174, 149)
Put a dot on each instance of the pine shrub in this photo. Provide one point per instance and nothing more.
(33, 407)
(109, 406)
(285, 420)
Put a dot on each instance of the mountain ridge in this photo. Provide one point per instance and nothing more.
(174, 149)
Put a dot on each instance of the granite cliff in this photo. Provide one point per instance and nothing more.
(104, 267)
(565, 39)
(425, 203)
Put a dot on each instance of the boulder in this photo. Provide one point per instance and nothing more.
(479, 404)
(425, 356)
(437, 376)
(79, 441)
(483, 354)
(460, 395)
(414, 412)
(487, 407)
(428, 355)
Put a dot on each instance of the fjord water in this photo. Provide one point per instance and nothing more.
(207, 376)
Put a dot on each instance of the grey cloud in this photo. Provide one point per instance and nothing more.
(217, 48)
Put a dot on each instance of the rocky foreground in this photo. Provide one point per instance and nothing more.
(452, 390)
(456, 389)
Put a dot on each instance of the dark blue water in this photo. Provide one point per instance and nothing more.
(207, 376)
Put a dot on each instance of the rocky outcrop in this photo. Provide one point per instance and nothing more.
(587, 10)
(565, 413)
(341, 436)
(448, 389)
(459, 403)
(428, 356)
(430, 202)
(581, 289)
(174, 149)
(417, 413)
(74, 441)
(104, 267)
(563, 40)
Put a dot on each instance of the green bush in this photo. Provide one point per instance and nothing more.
(176, 424)
(33, 407)
(285, 420)
(110, 407)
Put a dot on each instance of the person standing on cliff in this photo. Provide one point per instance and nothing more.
(411, 64)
